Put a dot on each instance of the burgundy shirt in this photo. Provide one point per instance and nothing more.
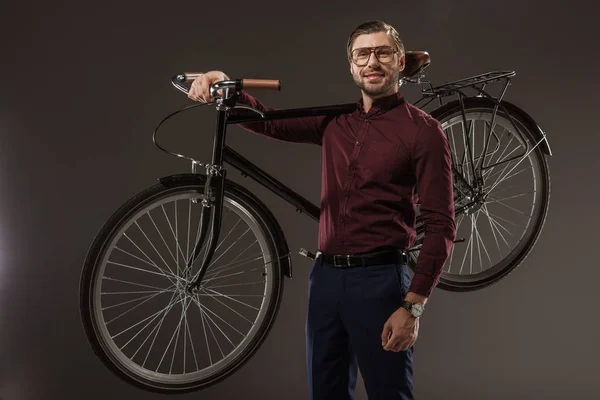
(376, 166)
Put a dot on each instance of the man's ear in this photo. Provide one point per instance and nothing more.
(402, 62)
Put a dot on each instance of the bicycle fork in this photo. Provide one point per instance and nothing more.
(212, 202)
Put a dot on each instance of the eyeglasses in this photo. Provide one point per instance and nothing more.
(361, 56)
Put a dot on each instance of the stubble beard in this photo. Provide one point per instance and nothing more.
(390, 80)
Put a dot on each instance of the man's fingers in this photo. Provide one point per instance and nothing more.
(193, 92)
(204, 90)
(405, 344)
(200, 87)
(402, 346)
(387, 329)
(392, 342)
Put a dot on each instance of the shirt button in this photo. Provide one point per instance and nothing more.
(366, 119)
(358, 143)
(345, 193)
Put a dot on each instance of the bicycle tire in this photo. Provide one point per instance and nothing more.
(501, 269)
(273, 236)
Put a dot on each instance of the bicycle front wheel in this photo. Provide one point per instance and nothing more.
(501, 225)
(137, 313)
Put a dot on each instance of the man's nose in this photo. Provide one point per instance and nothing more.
(373, 61)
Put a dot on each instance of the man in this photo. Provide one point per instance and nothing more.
(363, 308)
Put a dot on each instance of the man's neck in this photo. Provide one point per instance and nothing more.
(368, 100)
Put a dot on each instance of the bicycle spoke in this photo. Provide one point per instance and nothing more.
(226, 250)
(171, 340)
(164, 312)
(184, 339)
(507, 206)
(130, 283)
(499, 224)
(189, 225)
(155, 249)
(135, 292)
(466, 252)
(157, 329)
(148, 298)
(239, 254)
(177, 246)
(192, 345)
(494, 226)
(148, 257)
(204, 329)
(225, 238)
(232, 299)
(162, 238)
(506, 177)
(237, 284)
(231, 276)
(153, 316)
(495, 199)
(164, 275)
(210, 328)
(234, 311)
(226, 323)
(232, 295)
(480, 241)
(138, 258)
(177, 239)
(497, 217)
(230, 266)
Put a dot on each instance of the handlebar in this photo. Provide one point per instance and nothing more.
(236, 84)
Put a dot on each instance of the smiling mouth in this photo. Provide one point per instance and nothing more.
(373, 77)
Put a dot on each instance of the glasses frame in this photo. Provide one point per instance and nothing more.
(372, 50)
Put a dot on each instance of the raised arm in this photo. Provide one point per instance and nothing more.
(298, 130)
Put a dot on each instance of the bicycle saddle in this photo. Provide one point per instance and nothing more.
(416, 61)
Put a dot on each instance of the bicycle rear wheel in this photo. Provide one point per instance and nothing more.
(502, 228)
(137, 314)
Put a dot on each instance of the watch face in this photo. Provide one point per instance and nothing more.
(417, 309)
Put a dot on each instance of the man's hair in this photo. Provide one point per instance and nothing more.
(373, 27)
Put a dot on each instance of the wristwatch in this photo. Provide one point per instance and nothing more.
(416, 309)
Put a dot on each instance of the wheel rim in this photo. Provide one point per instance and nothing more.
(191, 338)
(501, 227)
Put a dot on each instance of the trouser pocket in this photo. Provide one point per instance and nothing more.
(402, 277)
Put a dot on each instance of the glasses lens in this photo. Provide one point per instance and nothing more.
(384, 54)
(361, 56)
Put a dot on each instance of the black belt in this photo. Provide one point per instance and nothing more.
(357, 260)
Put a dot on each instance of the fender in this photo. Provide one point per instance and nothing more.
(279, 236)
(523, 116)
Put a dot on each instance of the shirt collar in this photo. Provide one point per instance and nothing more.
(383, 104)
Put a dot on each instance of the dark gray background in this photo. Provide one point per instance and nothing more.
(84, 85)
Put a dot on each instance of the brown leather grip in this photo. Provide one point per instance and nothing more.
(269, 84)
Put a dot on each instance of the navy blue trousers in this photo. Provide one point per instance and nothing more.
(347, 308)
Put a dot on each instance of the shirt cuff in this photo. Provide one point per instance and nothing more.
(422, 284)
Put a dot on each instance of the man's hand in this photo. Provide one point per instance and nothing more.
(401, 329)
(200, 89)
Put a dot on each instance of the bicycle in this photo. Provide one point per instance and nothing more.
(207, 298)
